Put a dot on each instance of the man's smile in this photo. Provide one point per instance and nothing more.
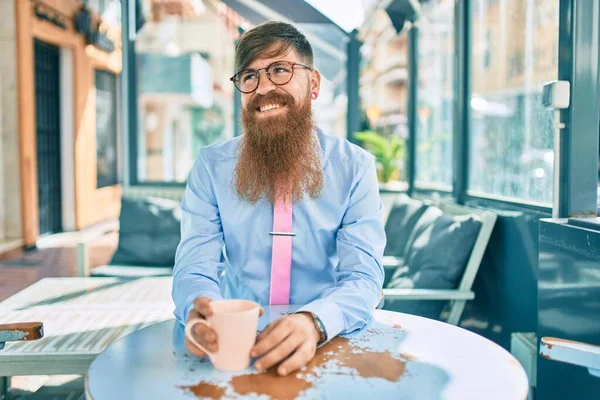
(270, 109)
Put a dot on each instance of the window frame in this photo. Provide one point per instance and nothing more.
(118, 127)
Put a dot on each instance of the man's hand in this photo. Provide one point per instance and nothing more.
(202, 333)
(294, 336)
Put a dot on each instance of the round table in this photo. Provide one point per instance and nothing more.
(395, 356)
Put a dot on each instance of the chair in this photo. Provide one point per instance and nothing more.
(127, 266)
(462, 293)
(17, 332)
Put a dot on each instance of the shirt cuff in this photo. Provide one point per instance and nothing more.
(329, 314)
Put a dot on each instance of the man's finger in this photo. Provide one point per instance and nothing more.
(299, 359)
(206, 337)
(202, 306)
(267, 341)
(203, 332)
(266, 331)
(280, 352)
(193, 349)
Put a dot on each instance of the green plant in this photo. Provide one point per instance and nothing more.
(387, 152)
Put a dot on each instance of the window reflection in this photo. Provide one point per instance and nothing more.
(435, 93)
(514, 52)
(184, 57)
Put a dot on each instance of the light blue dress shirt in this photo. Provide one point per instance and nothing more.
(225, 248)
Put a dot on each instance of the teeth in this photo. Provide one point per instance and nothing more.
(268, 107)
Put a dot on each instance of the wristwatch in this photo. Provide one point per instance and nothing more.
(320, 328)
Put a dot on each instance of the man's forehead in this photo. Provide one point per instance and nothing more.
(272, 54)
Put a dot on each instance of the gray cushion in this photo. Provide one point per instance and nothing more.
(423, 223)
(149, 232)
(435, 258)
(403, 216)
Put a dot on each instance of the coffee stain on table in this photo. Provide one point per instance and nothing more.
(271, 384)
(206, 391)
(339, 356)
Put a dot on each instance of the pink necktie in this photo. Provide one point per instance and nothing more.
(281, 263)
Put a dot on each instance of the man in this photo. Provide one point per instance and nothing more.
(283, 214)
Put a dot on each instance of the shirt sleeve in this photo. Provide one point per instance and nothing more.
(198, 260)
(359, 276)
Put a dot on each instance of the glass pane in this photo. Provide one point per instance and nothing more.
(435, 93)
(515, 51)
(109, 10)
(185, 57)
(106, 128)
(383, 93)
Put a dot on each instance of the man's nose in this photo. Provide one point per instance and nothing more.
(264, 84)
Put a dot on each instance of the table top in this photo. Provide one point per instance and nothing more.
(81, 317)
(396, 356)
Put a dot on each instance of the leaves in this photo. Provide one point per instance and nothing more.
(387, 152)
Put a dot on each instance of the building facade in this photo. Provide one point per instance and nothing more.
(61, 63)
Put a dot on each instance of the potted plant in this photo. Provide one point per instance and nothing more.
(387, 152)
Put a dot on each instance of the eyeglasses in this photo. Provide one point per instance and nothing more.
(279, 72)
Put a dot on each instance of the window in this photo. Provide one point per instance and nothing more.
(511, 138)
(109, 10)
(107, 148)
(435, 93)
(384, 93)
(185, 101)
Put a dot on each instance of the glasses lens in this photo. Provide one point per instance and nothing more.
(246, 81)
(280, 73)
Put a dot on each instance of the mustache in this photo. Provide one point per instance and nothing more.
(271, 97)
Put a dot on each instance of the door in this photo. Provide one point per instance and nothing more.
(47, 110)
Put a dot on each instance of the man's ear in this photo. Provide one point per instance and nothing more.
(315, 82)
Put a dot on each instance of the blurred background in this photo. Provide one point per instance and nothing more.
(97, 113)
(107, 100)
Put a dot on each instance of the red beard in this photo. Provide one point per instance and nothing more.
(279, 157)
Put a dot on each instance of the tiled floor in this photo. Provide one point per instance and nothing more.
(20, 269)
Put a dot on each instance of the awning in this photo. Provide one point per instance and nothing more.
(298, 11)
(328, 40)
(400, 11)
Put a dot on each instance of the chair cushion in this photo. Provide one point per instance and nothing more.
(402, 218)
(149, 232)
(435, 258)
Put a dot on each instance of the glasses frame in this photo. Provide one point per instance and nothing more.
(257, 74)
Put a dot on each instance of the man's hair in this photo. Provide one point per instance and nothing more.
(257, 40)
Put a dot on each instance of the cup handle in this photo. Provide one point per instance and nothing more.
(189, 326)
